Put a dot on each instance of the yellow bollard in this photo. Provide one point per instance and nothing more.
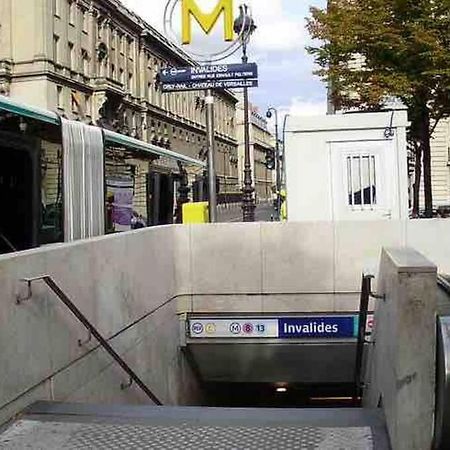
(196, 213)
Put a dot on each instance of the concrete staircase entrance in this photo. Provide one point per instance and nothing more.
(54, 426)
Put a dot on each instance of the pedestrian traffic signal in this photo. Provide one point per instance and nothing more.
(270, 159)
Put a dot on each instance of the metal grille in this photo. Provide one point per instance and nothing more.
(62, 435)
(361, 182)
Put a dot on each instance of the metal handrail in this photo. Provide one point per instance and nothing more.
(7, 242)
(366, 289)
(444, 283)
(48, 280)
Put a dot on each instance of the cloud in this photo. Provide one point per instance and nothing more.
(298, 107)
(301, 107)
(277, 30)
(151, 11)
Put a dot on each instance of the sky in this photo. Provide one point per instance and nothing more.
(286, 79)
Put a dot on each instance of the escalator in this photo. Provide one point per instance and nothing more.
(442, 417)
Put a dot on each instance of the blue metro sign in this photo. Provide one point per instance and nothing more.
(217, 72)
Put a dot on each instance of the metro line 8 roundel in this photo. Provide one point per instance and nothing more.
(248, 328)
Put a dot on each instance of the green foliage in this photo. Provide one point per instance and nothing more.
(372, 49)
(405, 46)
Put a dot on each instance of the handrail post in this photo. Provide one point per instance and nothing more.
(363, 311)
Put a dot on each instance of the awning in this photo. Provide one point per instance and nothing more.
(131, 143)
(33, 112)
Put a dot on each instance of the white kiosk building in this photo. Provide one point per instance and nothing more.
(347, 167)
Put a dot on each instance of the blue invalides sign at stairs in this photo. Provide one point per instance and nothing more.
(318, 327)
(330, 327)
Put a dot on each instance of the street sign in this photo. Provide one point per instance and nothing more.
(201, 85)
(217, 72)
(295, 327)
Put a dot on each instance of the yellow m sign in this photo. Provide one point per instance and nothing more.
(206, 20)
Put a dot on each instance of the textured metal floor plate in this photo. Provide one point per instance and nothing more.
(31, 434)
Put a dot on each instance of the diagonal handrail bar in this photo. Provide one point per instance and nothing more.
(48, 280)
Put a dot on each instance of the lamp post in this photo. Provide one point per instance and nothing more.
(270, 112)
(245, 26)
(283, 158)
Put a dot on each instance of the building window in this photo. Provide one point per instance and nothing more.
(129, 48)
(74, 102)
(149, 91)
(72, 12)
(55, 48)
(88, 103)
(121, 76)
(84, 17)
(59, 97)
(57, 8)
(85, 59)
(113, 71)
(130, 81)
(361, 180)
(72, 61)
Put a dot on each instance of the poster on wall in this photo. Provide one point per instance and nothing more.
(119, 204)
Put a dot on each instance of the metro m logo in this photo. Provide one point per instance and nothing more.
(206, 20)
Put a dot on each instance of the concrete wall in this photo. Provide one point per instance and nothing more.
(401, 368)
(292, 267)
(116, 282)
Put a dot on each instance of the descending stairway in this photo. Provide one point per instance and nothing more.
(52, 426)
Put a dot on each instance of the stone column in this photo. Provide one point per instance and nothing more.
(401, 370)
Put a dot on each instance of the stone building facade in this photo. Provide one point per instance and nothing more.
(440, 168)
(96, 61)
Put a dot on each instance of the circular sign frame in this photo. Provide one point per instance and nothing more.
(203, 58)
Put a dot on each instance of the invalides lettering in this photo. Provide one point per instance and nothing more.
(209, 69)
(310, 328)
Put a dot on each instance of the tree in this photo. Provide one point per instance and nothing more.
(404, 50)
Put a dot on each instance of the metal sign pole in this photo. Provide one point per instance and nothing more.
(278, 167)
(209, 100)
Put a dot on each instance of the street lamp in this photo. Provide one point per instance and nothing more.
(283, 157)
(245, 26)
(270, 112)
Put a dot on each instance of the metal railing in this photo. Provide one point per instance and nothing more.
(7, 242)
(48, 280)
(444, 283)
(366, 294)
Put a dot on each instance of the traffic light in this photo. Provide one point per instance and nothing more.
(270, 159)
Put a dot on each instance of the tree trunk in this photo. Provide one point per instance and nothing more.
(426, 151)
(417, 180)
